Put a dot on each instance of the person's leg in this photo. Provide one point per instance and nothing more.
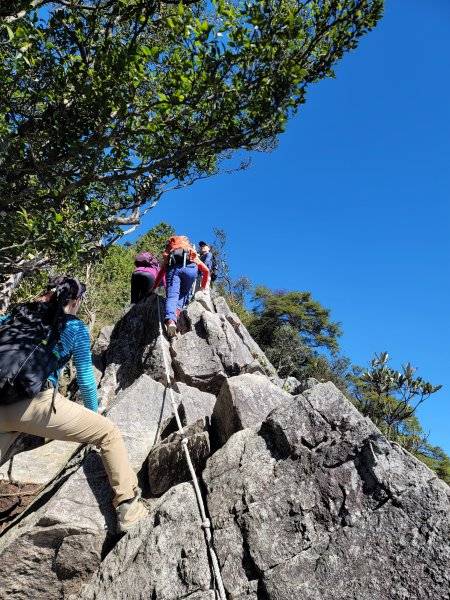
(74, 423)
(188, 275)
(141, 285)
(172, 293)
(135, 287)
(147, 280)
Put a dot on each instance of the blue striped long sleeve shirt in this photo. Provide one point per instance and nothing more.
(75, 341)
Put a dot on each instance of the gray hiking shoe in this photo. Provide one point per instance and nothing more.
(171, 329)
(130, 512)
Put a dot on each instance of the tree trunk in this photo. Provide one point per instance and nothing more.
(6, 289)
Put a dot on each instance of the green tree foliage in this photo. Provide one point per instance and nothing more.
(108, 284)
(107, 105)
(277, 309)
(335, 369)
(286, 351)
(224, 282)
(390, 399)
(437, 460)
(291, 328)
(154, 241)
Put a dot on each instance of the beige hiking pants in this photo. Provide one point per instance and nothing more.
(71, 423)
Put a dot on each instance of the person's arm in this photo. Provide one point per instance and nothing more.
(159, 277)
(205, 272)
(82, 359)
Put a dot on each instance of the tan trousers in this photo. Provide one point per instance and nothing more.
(71, 423)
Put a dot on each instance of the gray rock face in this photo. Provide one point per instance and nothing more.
(244, 401)
(260, 359)
(40, 465)
(317, 492)
(164, 558)
(25, 442)
(99, 351)
(103, 340)
(194, 404)
(307, 500)
(134, 349)
(209, 349)
(293, 385)
(48, 564)
(204, 299)
(167, 464)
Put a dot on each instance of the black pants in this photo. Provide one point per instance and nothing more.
(141, 285)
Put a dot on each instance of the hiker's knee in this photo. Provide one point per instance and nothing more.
(110, 435)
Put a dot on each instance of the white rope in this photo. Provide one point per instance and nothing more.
(206, 524)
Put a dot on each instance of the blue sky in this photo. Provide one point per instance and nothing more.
(353, 205)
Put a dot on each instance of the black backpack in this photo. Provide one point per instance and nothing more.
(28, 353)
(215, 269)
(178, 256)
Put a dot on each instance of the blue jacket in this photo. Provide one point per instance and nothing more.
(207, 258)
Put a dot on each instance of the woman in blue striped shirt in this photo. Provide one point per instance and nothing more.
(51, 415)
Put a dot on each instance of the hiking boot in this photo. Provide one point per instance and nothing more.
(171, 328)
(130, 512)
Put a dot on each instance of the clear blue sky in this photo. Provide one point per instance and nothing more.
(353, 206)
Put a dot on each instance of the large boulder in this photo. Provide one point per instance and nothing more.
(307, 499)
(209, 350)
(163, 558)
(261, 362)
(244, 401)
(39, 465)
(135, 348)
(194, 404)
(167, 465)
(317, 504)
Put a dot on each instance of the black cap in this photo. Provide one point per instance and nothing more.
(203, 244)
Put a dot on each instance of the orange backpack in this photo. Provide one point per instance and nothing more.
(179, 251)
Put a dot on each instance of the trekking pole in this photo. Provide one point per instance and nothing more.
(206, 524)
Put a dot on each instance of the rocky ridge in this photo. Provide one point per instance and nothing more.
(307, 499)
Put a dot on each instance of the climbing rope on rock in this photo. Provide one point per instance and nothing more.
(206, 524)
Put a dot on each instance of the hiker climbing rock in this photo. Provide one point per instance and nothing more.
(181, 265)
(144, 275)
(207, 258)
(36, 340)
